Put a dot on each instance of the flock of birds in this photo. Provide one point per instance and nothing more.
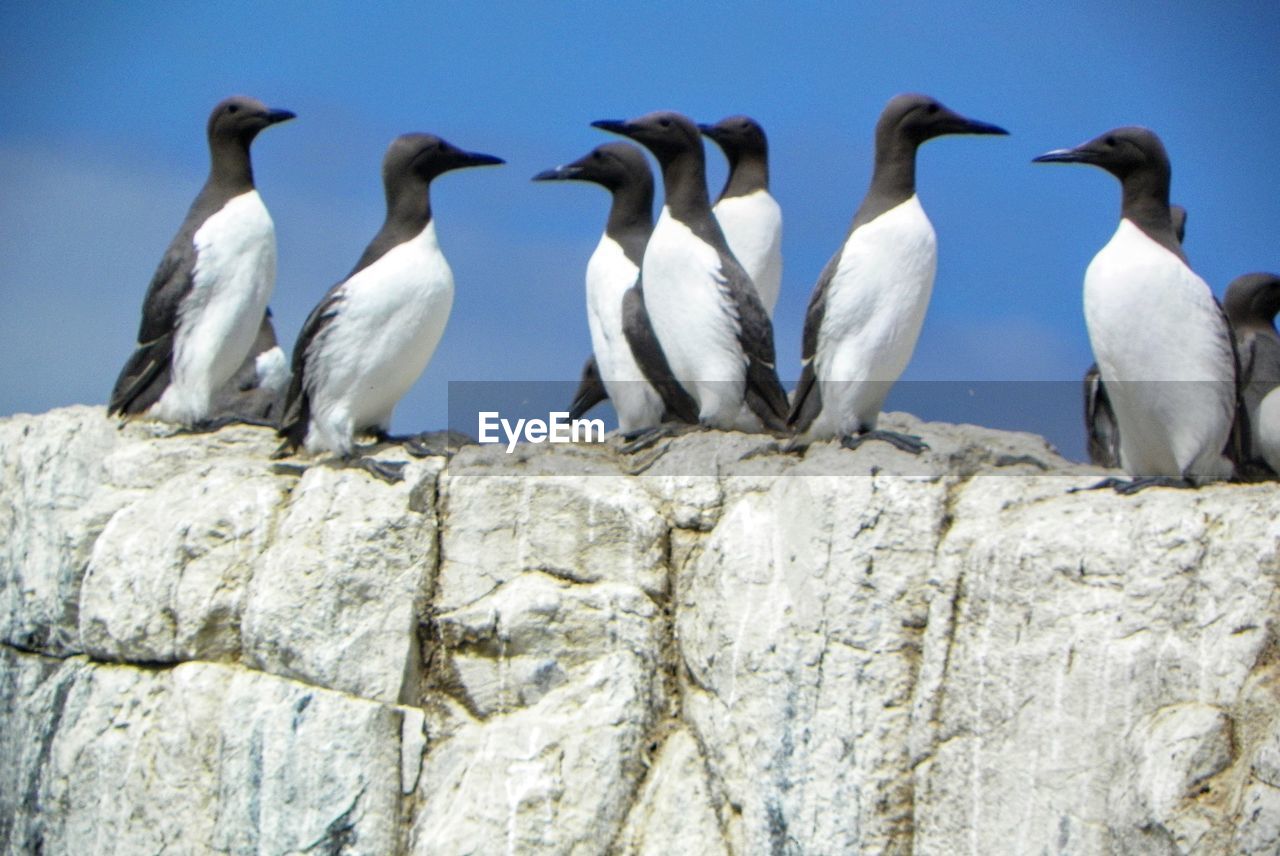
(680, 310)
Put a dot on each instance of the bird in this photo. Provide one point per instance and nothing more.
(704, 308)
(372, 335)
(205, 304)
(750, 218)
(1102, 434)
(255, 393)
(1251, 303)
(1161, 341)
(867, 308)
(625, 350)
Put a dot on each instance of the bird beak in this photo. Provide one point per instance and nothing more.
(560, 173)
(615, 126)
(957, 124)
(476, 159)
(1079, 154)
(274, 117)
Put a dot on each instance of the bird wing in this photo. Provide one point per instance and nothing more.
(808, 400)
(145, 375)
(1101, 431)
(648, 353)
(764, 393)
(590, 390)
(297, 408)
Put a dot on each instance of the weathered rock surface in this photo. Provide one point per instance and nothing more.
(711, 647)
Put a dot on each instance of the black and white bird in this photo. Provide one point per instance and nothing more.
(1102, 433)
(749, 216)
(369, 339)
(625, 350)
(1251, 304)
(867, 308)
(706, 313)
(255, 393)
(208, 297)
(1161, 341)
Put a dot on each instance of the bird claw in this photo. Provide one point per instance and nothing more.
(390, 472)
(908, 443)
(1128, 487)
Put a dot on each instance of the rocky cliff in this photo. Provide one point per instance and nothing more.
(712, 648)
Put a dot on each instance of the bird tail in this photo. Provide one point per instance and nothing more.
(144, 378)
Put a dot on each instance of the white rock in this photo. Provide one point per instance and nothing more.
(203, 758)
(50, 467)
(582, 528)
(167, 578)
(674, 813)
(335, 599)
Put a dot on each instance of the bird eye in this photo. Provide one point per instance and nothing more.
(597, 156)
(931, 109)
(666, 123)
(1111, 141)
(234, 108)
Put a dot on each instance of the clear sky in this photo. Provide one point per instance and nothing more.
(102, 149)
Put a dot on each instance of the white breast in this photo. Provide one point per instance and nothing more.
(609, 274)
(234, 275)
(1162, 347)
(388, 325)
(693, 318)
(875, 306)
(752, 225)
(1266, 429)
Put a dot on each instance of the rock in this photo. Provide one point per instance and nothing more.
(52, 466)
(712, 646)
(168, 593)
(337, 596)
(674, 812)
(202, 757)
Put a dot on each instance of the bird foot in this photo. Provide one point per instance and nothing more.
(908, 443)
(1128, 487)
(644, 438)
(390, 472)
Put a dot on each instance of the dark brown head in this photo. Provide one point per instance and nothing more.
(668, 135)
(613, 166)
(1123, 152)
(420, 158)
(240, 118)
(1253, 300)
(915, 119)
(738, 136)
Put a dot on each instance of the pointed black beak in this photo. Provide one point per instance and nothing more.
(1076, 155)
(615, 126)
(973, 126)
(477, 159)
(957, 124)
(274, 117)
(560, 173)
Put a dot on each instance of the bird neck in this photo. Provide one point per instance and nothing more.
(631, 218)
(748, 172)
(408, 208)
(1145, 203)
(230, 168)
(685, 180)
(893, 181)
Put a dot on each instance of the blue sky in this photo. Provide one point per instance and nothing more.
(102, 149)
